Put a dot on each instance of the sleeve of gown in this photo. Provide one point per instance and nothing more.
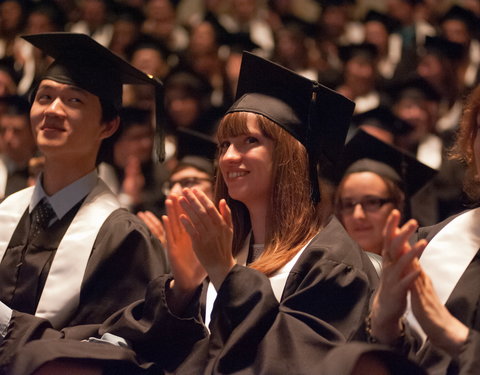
(156, 334)
(469, 358)
(125, 258)
(252, 333)
(25, 328)
(159, 338)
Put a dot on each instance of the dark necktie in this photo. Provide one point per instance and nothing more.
(40, 218)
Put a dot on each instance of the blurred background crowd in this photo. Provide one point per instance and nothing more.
(407, 64)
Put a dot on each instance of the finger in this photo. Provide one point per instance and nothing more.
(392, 223)
(194, 209)
(226, 212)
(408, 280)
(210, 208)
(168, 232)
(403, 264)
(177, 211)
(148, 222)
(399, 243)
(189, 227)
(173, 217)
(153, 218)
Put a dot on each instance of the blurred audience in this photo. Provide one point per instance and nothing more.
(17, 144)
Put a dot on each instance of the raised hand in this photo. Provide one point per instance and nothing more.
(211, 232)
(155, 225)
(441, 327)
(187, 270)
(400, 269)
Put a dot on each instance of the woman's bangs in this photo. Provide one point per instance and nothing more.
(232, 125)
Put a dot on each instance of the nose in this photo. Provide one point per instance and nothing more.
(358, 212)
(55, 108)
(232, 154)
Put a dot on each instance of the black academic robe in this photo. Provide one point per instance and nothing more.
(325, 300)
(463, 304)
(124, 259)
(343, 359)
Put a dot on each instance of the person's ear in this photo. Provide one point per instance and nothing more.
(110, 127)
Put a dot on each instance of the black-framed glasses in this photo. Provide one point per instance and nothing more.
(187, 182)
(368, 204)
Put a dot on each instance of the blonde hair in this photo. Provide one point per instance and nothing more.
(292, 217)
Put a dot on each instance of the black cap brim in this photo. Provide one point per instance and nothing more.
(362, 149)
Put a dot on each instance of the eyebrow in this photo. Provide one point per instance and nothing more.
(70, 87)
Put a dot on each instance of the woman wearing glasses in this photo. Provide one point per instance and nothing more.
(191, 172)
(372, 186)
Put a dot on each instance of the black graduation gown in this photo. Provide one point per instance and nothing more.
(463, 303)
(124, 259)
(324, 302)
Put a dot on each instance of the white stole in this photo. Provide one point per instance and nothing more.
(447, 256)
(3, 176)
(61, 294)
(277, 280)
(430, 151)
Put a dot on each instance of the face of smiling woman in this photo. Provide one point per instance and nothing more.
(365, 227)
(246, 165)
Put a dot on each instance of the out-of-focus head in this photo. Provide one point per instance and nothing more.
(458, 25)
(467, 146)
(16, 138)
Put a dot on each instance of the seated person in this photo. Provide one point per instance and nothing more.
(69, 253)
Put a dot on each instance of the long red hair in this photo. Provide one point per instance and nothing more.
(292, 218)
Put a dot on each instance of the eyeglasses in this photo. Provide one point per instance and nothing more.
(187, 182)
(368, 204)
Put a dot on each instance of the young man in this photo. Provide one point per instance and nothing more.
(68, 253)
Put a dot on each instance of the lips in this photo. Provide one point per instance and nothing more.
(236, 174)
(52, 127)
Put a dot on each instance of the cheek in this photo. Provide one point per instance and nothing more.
(380, 219)
(347, 221)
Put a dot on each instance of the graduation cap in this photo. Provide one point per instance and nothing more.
(366, 50)
(315, 115)
(383, 118)
(365, 153)
(194, 143)
(81, 61)
(444, 48)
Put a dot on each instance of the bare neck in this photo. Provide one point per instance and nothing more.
(258, 220)
(57, 174)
